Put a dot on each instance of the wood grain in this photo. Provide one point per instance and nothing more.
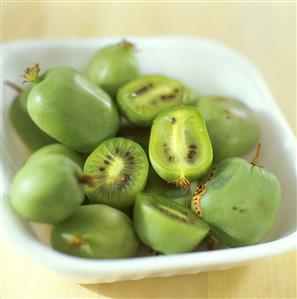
(264, 32)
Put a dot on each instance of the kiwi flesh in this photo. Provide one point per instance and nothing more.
(143, 98)
(180, 149)
(119, 167)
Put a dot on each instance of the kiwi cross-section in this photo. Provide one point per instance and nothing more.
(165, 226)
(119, 167)
(180, 150)
(143, 98)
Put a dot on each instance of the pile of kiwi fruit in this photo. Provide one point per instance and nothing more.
(124, 162)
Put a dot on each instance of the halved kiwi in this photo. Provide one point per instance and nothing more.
(165, 226)
(143, 98)
(119, 167)
(180, 149)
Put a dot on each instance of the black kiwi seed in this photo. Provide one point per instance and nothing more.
(170, 158)
(173, 120)
(101, 168)
(106, 162)
(193, 146)
(142, 90)
(167, 97)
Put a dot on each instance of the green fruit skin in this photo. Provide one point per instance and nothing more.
(47, 190)
(29, 132)
(163, 232)
(112, 67)
(171, 172)
(233, 128)
(106, 233)
(57, 149)
(72, 109)
(118, 200)
(241, 202)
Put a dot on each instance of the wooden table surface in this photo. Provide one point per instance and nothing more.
(264, 32)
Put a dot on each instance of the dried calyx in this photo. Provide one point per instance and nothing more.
(31, 74)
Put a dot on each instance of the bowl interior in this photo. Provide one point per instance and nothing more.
(204, 66)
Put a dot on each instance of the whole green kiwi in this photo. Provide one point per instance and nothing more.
(48, 189)
(96, 231)
(113, 66)
(70, 108)
(232, 126)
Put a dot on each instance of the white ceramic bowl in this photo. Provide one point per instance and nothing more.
(203, 65)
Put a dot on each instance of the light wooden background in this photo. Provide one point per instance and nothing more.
(264, 32)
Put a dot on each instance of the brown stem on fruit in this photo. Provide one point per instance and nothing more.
(86, 180)
(13, 86)
(126, 44)
(257, 155)
(77, 241)
(182, 183)
(31, 74)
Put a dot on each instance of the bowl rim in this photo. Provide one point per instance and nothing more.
(56, 260)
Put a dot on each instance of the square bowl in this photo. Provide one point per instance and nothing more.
(205, 66)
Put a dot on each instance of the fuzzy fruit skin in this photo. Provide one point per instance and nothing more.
(29, 132)
(241, 202)
(105, 233)
(47, 190)
(72, 109)
(112, 67)
(57, 149)
(232, 126)
(192, 123)
(165, 233)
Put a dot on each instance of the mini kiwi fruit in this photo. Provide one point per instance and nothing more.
(180, 150)
(239, 200)
(96, 231)
(232, 126)
(119, 167)
(165, 226)
(142, 99)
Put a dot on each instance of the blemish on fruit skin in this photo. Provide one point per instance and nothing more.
(77, 241)
(238, 209)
